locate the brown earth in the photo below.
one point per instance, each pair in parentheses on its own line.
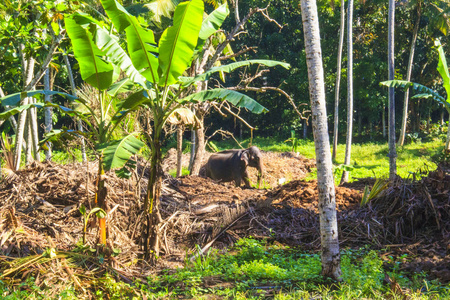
(40,209)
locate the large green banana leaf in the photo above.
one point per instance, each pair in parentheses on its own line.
(212,23)
(116,54)
(231,67)
(142,47)
(94,69)
(14,99)
(236,98)
(443,69)
(117,153)
(11,112)
(417,87)
(178,42)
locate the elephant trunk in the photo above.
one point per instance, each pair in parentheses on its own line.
(260,173)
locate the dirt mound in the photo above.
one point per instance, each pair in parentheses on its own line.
(303,194)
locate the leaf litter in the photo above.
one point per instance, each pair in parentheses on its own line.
(40,218)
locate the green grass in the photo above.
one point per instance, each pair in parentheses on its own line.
(368,160)
(254,269)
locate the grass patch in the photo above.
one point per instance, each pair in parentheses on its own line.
(368,160)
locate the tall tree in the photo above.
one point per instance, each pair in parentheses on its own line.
(338,80)
(348,143)
(327,202)
(401,138)
(391,124)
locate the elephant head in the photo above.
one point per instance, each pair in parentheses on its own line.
(252,157)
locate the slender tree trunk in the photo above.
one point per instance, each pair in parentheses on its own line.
(391,64)
(338,81)
(327,204)
(193,143)
(383,120)
(28,134)
(48,114)
(199,144)
(22,120)
(401,138)
(74,92)
(179,149)
(348,143)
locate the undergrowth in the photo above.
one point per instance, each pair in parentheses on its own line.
(253,269)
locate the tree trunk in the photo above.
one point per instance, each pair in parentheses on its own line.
(48,115)
(327,204)
(392,150)
(22,120)
(179,149)
(199,143)
(74,92)
(401,138)
(348,142)
(338,81)
(383,120)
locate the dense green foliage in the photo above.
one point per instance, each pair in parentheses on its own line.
(254,270)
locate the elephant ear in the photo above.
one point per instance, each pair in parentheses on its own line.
(244,157)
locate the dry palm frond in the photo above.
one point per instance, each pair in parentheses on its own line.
(161,8)
(183,116)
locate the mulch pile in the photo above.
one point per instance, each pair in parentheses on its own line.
(43,201)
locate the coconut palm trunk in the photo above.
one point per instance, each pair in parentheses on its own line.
(392,151)
(338,81)
(327,204)
(401,139)
(348,143)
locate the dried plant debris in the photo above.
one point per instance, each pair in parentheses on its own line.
(40,211)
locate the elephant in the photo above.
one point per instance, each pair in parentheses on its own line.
(229,165)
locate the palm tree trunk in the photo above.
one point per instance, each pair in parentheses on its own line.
(327,203)
(401,139)
(48,114)
(348,143)
(392,151)
(338,81)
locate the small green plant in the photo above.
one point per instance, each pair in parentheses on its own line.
(184,172)
(100,213)
(379,186)
(294,140)
(414,137)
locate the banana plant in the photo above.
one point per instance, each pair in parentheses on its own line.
(426,92)
(156,68)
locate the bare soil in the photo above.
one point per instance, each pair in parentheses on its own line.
(43,201)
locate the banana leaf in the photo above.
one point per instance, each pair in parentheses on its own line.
(14,99)
(94,69)
(231,67)
(117,153)
(142,46)
(178,42)
(236,98)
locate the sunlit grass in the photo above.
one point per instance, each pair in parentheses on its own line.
(368,160)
